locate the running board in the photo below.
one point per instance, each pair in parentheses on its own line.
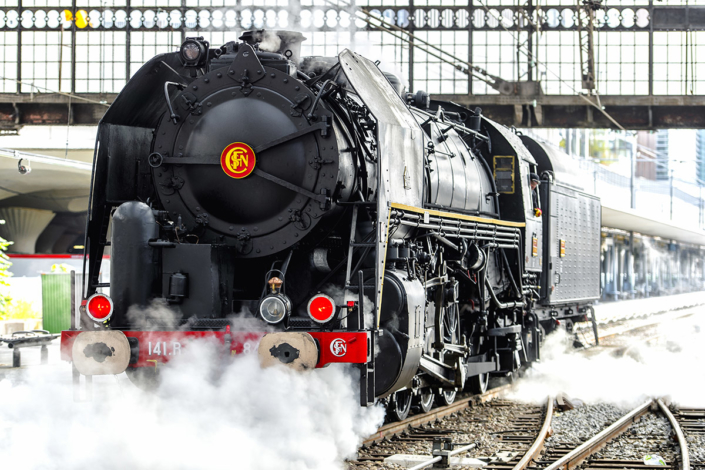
(437,369)
(476,365)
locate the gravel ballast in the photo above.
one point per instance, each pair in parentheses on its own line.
(648,436)
(576,426)
(483,423)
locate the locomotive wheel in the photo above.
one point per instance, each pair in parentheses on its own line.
(400,405)
(451,334)
(424,400)
(477,384)
(447,397)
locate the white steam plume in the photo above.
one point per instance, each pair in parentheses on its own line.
(673,368)
(202,416)
(156,316)
(338,295)
(270,42)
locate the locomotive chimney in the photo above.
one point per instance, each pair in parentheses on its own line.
(287,43)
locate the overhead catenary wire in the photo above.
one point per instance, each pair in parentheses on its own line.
(530,56)
(385,26)
(49,90)
(470,67)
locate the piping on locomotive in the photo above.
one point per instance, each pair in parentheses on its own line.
(358,223)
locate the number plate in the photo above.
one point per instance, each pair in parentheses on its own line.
(163,348)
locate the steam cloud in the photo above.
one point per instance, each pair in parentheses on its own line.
(338,296)
(203,415)
(156,316)
(270,42)
(673,368)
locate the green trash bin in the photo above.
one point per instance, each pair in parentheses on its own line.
(56,302)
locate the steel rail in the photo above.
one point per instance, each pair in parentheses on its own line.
(393,429)
(682,443)
(438,458)
(523,463)
(645,324)
(537,446)
(648,323)
(573,458)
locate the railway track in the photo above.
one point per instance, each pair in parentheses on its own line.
(564,457)
(692,422)
(394,429)
(522,461)
(514,447)
(522,444)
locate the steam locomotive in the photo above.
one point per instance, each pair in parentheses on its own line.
(311,211)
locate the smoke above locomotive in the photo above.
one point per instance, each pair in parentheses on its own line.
(306,194)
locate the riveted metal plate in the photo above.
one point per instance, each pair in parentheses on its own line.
(191,158)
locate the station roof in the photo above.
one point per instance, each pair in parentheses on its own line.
(631,220)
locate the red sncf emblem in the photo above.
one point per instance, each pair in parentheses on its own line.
(237,160)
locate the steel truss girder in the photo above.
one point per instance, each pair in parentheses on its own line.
(566,111)
(557,111)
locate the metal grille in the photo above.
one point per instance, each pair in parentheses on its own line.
(46,61)
(490,51)
(559,54)
(641,47)
(100,61)
(146,44)
(434,76)
(8,62)
(629,63)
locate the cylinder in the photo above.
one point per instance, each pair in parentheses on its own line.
(475,121)
(132,268)
(476,258)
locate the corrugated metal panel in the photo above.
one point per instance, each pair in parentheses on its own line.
(575,220)
(56,302)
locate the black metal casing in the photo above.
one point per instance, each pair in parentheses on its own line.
(419,223)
